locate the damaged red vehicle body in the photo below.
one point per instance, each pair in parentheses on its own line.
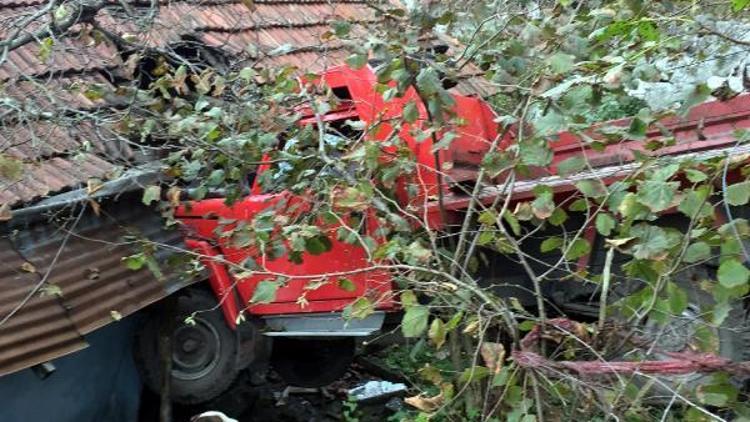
(315,324)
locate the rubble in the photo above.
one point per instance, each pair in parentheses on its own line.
(376,390)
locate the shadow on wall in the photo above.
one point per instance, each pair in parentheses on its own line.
(99,383)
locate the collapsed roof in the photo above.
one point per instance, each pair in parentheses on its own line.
(61,278)
(55,134)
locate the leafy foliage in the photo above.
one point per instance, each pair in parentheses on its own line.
(553,67)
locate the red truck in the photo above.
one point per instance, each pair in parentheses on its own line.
(312,342)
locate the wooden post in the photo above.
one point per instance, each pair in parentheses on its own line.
(166,329)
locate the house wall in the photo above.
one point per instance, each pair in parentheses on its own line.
(99,383)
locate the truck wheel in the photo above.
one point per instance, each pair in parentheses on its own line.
(312,363)
(204,354)
(732,337)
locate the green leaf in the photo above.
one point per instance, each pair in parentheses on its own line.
(527,325)
(697,95)
(543,206)
(360,309)
(579,248)
(699,251)
(738,5)
(677,298)
(495,162)
(605,223)
(475,373)
(341,27)
(657,195)
(265,292)
(216,178)
(592,188)
(551,243)
(346,285)
(411,113)
(535,152)
(247,74)
(696,176)
(558,217)
(151,194)
(694,203)
(561,63)
(719,394)
(408,298)
(356,60)
(437,332)
(317,245)
(733,273)
(571,165)
(653,242)
(428,81)
(648,31)
(454,321)
(414,322)
(512,221)
(135,262)
(630,207)
(579,205)
(637,129)
(738,194)
(666,172)
(45,48)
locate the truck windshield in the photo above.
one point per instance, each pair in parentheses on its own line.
(293,155)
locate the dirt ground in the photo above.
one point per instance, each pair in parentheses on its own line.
(247,402)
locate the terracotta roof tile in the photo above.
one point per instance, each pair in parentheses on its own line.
(290,29)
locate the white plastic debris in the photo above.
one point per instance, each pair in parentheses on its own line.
(212,416)
(372,390)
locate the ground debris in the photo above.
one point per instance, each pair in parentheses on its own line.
(376,390)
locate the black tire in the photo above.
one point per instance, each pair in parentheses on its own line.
(732,336)
(205,354)
(312,362)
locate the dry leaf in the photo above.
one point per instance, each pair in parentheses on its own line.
(92,273)
(50,290)
(28,267)
(493,355)
(95,207)
(173,196)
(115,315)
(5,213)
(471,328)
(425,404)
(93,185)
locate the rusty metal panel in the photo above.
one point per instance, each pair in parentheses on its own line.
(36,332)
(87,286)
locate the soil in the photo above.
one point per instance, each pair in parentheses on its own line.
(249,401)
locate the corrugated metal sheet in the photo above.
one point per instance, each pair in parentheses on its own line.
(88,286)
(40,330)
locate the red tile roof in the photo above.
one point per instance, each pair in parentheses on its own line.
(42,84)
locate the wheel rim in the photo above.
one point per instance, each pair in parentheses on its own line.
(195,351)
(679,334)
